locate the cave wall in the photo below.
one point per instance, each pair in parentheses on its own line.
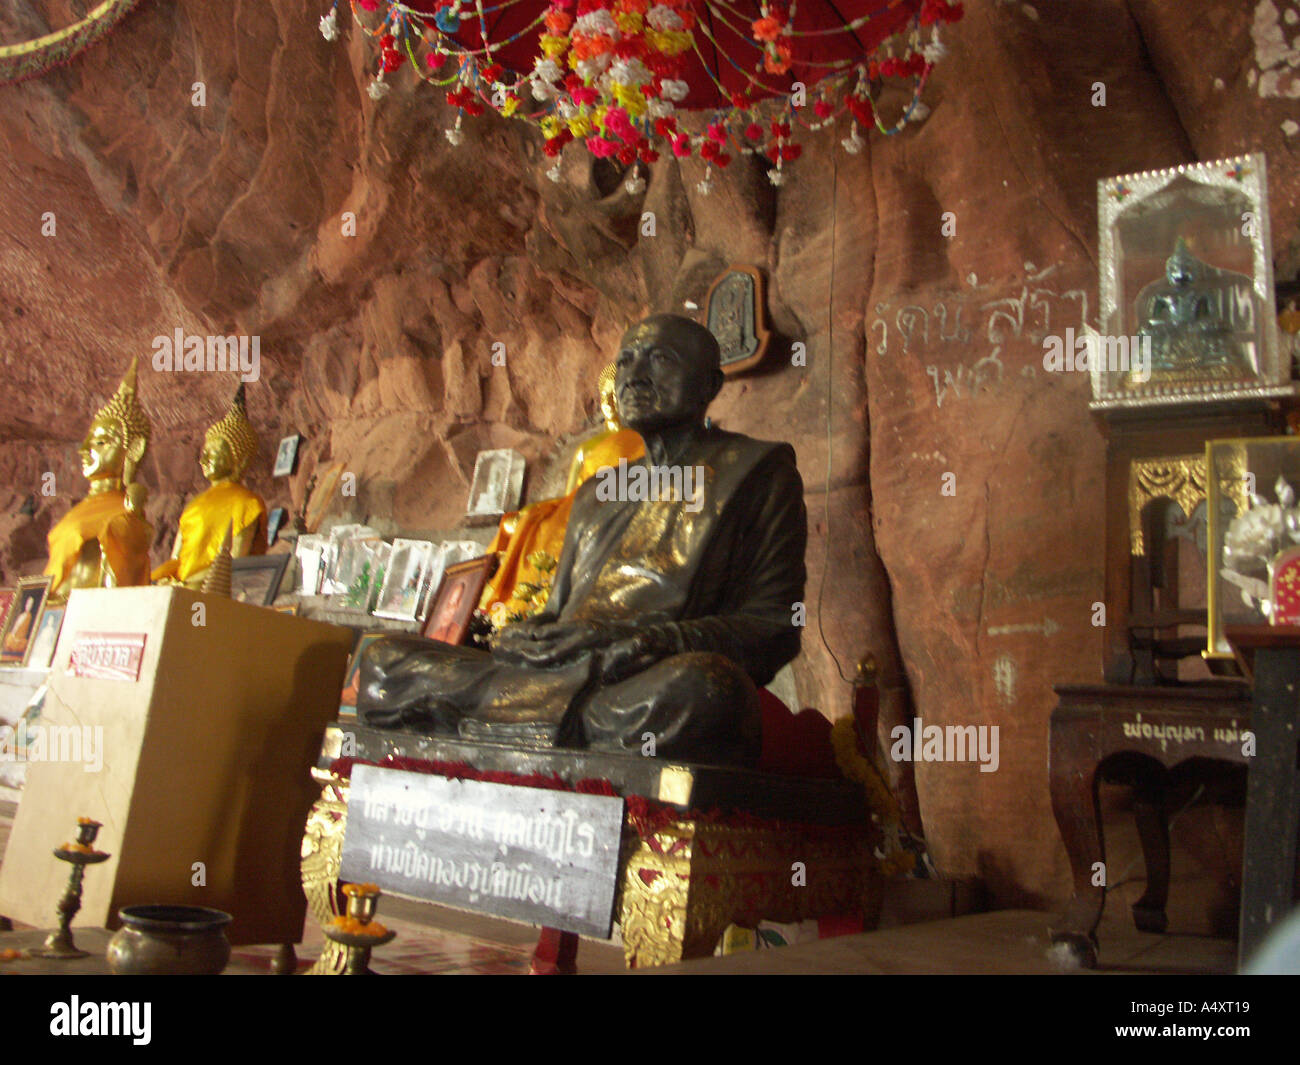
(379,266)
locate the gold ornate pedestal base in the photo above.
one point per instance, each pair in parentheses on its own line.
(680,887)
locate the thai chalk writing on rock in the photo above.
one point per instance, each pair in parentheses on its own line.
(986,327)
(549,857)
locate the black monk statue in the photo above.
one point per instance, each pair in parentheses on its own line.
(675,592)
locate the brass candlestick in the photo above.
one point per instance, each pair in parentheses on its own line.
(354,932)
(59,943)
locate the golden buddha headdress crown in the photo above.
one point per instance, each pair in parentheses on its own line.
(238,433)
(124,411)
(605,382)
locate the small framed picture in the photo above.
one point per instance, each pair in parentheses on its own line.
(20,626)
(408,568)
(453,606)
(274,523)
(287,608)
(46,638)
(286,456)
(256,578)
(444,555)
(352,682)
(498,483)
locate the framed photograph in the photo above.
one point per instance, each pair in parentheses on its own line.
(497,485)
(286,455)
(256,578)
(311,551)
(458,594)
(352,680)
(46,638)
(287,608)
(736,315)
(322,495)
(404,579)
(358,570)
(20,626)
(274,523)
(444,555)
(1187,298)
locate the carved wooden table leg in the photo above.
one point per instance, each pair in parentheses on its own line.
(1078,816)
(1153,829)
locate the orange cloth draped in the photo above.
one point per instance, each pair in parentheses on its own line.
(540,526)
(124,538)
(203,526)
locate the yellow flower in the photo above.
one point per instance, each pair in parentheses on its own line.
(553,46)
(511,106)
(550,127)
(670,42)
(628,22)
(580,125)
(632,98)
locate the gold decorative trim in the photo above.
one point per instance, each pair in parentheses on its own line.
(1179,478)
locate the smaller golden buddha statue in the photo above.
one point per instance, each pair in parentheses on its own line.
(104,540)
(528,541)
(225,508)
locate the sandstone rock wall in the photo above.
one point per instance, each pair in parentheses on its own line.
(379,266)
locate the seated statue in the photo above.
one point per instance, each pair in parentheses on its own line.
(104,540)
(528,542)
(667,608)
(226,506)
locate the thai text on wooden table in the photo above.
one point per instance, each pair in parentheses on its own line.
(546,857)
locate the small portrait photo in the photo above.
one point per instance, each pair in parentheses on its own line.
(256,578)
(352,680)
(20,627)
(286,456)
(274,523)
(458,595)
(408,568)
(47,638)
(498,481)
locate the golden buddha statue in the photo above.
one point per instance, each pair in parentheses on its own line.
(104,540)
(227,507)
(528,541)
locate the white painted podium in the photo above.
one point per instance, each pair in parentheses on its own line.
(207,716)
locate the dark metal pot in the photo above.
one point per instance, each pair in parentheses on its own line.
(169,941)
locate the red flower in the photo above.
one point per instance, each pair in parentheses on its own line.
(753,131)
(491,73)
(780,129)
(773,153)
(473,107)
(740,101)
(681,146)
(626,155)
(791,152)
(666,127)
(723,159)
(434,60)
(584,94)
(822,108)
(648,154)
(709,150)
(717,132)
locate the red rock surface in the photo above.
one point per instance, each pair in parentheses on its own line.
(924,350)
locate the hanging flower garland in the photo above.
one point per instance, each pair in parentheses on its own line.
(612,73)
(31,59)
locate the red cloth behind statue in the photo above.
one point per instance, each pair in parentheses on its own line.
(795,744)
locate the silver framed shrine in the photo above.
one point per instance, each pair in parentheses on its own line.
(1186,287)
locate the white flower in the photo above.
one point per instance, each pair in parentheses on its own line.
(920,112)
(378,88)
(630,72)
(674,90)
(657,108)
(853,143)
(705,186)
(554,172)
(566,107)
(329,26)
(597,22)
(548,70)
(776,177)
(635,185)
(936,49)
(661,17)
(454,136)
(544,90)
(591,69)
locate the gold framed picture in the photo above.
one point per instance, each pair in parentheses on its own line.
(20,626)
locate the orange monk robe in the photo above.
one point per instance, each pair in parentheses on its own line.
(203,526)
(124,539)
(540,526)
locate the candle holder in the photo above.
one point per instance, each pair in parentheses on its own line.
(355,932)
(59,943)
